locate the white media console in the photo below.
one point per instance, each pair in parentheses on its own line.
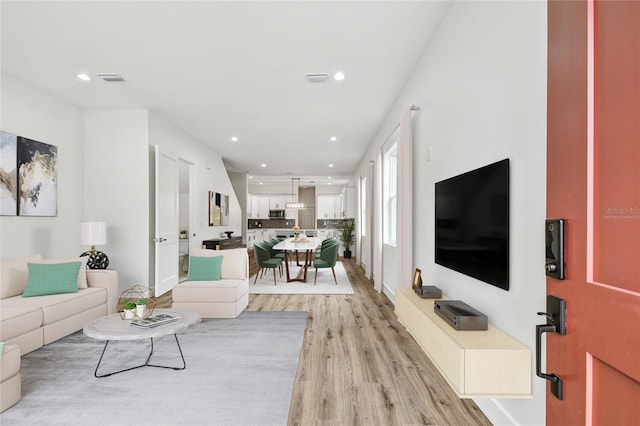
(477,364)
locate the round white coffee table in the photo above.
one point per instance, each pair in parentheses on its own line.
(112,327)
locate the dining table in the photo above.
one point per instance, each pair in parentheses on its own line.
(290,245)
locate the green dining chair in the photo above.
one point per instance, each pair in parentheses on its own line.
(327,259)
(265,261)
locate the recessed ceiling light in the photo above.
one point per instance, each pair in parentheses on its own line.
(338,76)
(333,138)
(234,139)
(263,165)
(250,177)
(83,77)
(260,183)
(330,165)
(329,183)
(329,177)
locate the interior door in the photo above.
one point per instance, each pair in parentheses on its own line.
(166,222)
(593,182)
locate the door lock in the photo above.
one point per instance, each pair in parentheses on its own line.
(554,248)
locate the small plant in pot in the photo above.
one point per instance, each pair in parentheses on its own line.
(346,237)
(129,309)
(141,305)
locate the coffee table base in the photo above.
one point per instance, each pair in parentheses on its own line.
(146,364)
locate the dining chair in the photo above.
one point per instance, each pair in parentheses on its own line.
(265,261)
(278,254)
(327,259)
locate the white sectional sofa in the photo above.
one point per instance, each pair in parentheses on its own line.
(31,322)
(10,379)
(226,298)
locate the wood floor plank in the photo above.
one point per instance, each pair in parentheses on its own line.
(359,366)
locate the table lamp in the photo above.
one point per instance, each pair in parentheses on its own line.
(94,234)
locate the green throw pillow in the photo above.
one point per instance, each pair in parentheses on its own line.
(204,268)
(52,279)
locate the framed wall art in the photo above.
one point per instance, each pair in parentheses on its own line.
(8,174)
(218,209)
(37,178)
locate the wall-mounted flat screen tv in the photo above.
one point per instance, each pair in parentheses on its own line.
(472,223)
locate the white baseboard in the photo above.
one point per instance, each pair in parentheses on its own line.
(494,412)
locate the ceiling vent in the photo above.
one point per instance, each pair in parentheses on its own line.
(110,77)
(317,78)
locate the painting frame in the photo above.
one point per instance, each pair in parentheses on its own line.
(8,174)
(37,164)
(218,209)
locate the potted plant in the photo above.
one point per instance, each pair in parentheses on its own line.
(129,309)
(183,234)
(141,305)
(346,237)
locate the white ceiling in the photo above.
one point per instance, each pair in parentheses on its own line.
(218,69)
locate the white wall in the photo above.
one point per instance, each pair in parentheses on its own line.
(117,187)
(210,175)
(481,86)
(103,174)
(27,111)
(240,184)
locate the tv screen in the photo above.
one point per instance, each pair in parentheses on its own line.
(472,223)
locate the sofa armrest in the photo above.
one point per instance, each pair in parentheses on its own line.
(107,279)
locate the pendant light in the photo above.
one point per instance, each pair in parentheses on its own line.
(294,205)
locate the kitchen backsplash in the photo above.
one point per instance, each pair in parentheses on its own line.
(333,223)
(289,223)
(270,223)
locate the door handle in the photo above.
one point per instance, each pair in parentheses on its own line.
(556,323)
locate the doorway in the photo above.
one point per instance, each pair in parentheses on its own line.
(184,209)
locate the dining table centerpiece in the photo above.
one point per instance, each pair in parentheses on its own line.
(296,233)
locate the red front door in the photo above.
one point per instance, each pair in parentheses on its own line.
(593,182)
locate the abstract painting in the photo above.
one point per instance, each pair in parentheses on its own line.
(218,209)
(37,178)
(8,174)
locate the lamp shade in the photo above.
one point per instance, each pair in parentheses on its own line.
(93,233)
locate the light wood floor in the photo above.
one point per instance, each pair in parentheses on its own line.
(358,365)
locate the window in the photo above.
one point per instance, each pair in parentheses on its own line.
(363,206)
(390,194)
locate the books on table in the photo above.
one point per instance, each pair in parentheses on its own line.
(154,321)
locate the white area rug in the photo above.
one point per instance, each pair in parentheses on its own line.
(240,372)
(325,284)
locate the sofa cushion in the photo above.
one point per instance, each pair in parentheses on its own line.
(204,268)
(14,274)
(18,320)
(56,278)
(82,273)
(56,307)
(234,263)
(210,291)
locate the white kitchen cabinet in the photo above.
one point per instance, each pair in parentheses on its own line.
(257,207)
(260,207)
(277,202)
(348,202)
(329,207)
(249,205)
(251,237)
(337,207)
(259,236)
